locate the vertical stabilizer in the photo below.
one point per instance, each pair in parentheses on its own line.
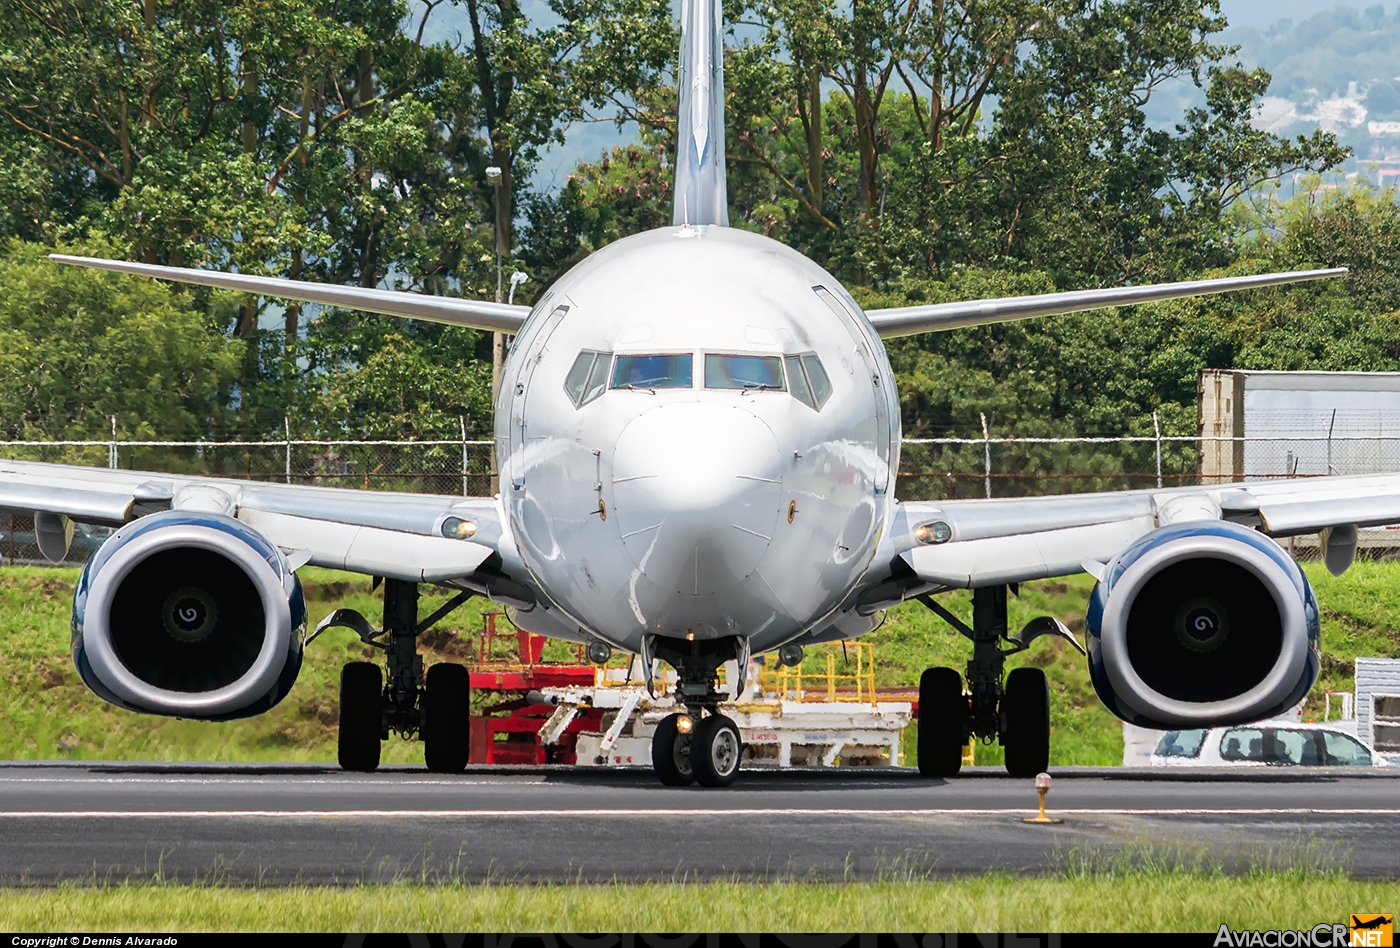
(700,190)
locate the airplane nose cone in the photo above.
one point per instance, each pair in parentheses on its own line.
(696,493)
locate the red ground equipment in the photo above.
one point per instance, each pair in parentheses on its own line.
(506,730)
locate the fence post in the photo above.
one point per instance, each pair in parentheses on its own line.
(1157,428)
(1330,469)
(463,420)
(987,450)
(112,447)
(287,427)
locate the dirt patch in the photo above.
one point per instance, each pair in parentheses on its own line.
(50,589)
(327,592)
(51,677)
(448,643)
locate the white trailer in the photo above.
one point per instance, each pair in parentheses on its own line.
(1263,425)
(788,728)
(1378,705)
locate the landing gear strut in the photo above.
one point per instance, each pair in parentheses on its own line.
(1017,714)
(688,748)
(433,707)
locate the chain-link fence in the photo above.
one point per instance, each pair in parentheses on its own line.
(956,468)
(464,467)
(431,467)
(930,468)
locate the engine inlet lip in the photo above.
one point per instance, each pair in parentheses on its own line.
(1138,695)
(257,681)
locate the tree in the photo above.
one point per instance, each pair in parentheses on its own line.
(79,346)
(893,137)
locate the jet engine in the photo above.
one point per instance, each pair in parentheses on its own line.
(1202,624)
(189,615)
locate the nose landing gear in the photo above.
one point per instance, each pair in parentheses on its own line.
(688,748)
(707,752)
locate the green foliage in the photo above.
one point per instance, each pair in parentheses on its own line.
(335,145)
(370,377)
(891,140)
(1106,372)
(79,346)
(919,152)
(627,192)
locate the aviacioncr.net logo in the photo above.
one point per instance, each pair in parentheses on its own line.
(1322,935)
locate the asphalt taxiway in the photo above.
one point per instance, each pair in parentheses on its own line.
(314,824)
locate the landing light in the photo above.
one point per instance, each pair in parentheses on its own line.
(685,724)
(455,528)
(936,532)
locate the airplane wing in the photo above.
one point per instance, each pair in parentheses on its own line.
(908,320)
(969,543)
(496,317)
(412,537)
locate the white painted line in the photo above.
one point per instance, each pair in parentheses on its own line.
(676,812)
(232,784)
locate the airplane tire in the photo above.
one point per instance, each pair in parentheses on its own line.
(1027,721)
(942,720)
(670,753)
(715,751)
(361,697)
(447,718)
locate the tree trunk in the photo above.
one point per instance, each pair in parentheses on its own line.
(816,170)
(869,158)
(249,92)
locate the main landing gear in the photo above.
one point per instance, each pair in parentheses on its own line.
(1017,713)
(434,706)
(688,747)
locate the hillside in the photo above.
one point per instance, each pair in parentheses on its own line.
(1335,69)
(47,713)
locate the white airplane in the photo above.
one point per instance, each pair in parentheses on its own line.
(697,437)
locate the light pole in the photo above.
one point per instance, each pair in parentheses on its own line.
(516,278)
(498,340)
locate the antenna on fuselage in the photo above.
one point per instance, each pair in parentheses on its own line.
(700,125)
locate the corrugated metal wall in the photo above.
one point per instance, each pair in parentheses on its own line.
(1378,676)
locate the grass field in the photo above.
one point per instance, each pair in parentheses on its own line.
(1132,901)
(47,713)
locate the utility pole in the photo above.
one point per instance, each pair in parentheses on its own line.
(498,339)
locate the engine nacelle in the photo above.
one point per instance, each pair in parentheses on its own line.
(1202,624)
(189,615)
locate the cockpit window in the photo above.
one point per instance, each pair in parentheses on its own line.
(598,378)
(797,381)
(816,375)
(808,380)
(653,371)
(587,377)
(744,371)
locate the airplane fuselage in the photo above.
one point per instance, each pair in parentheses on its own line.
(697,434)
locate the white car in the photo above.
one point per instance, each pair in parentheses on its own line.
(1278,744)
